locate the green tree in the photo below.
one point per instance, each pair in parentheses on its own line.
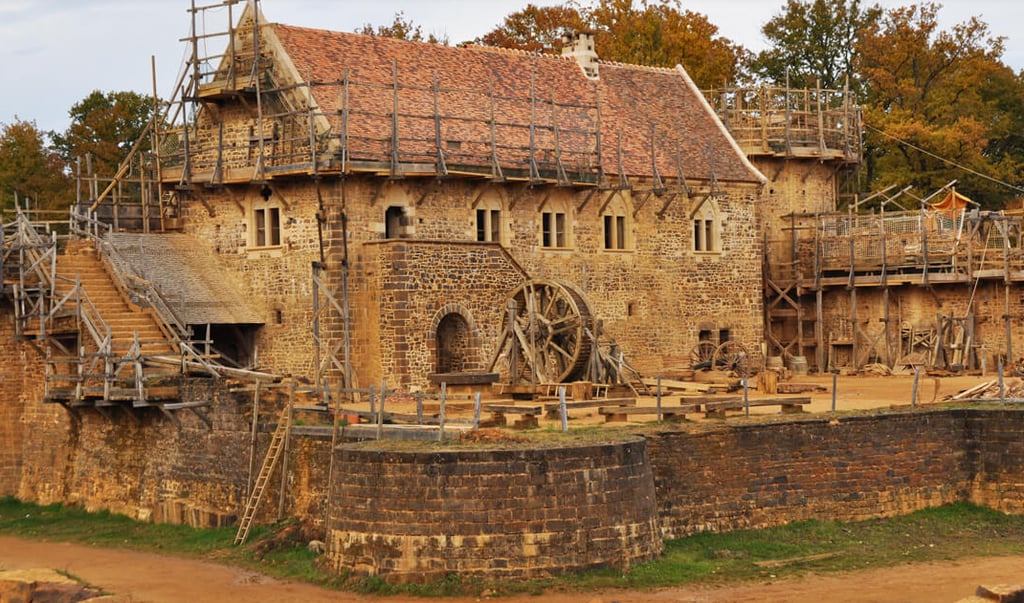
(104,126)
(401,29)
(813,42)
(940,105)
(28,169)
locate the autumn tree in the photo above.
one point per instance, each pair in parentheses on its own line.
(813,42)
(940,105)
(535,28)
(28,169)
(657,33)
(401,29)
(104,126)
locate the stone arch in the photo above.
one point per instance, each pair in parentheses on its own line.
(454,345)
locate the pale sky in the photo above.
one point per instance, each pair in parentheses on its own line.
(55,52)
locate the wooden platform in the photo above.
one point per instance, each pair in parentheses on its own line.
(787,405)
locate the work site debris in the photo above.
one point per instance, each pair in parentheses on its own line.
(989,390)
(878,369)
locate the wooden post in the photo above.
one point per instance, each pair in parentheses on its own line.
(561,408)
(1002,388)
(659,397)
(440,418)
(913,396)
(380,409)
(287,445)
(252,439)
(835,380)
(476,410)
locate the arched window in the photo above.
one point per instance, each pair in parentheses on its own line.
(707,227)
(617,226)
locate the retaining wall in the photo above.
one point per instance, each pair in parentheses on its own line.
(497,513)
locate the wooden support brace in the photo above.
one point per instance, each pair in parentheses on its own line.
(202,417)
(668,201)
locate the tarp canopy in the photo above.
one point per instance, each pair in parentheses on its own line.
(952,201)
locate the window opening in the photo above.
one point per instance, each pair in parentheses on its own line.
(553,224)
(614,232)
(488,225)
(394,218)
(268,226)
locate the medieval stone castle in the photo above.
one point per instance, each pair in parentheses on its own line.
(345,210)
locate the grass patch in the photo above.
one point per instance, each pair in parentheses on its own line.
(944,533)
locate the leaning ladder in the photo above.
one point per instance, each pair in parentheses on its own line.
(269,463)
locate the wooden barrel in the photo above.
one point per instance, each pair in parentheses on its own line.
(798,364)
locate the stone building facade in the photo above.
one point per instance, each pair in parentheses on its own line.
(442,178)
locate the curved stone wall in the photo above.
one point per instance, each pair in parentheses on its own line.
(494,513)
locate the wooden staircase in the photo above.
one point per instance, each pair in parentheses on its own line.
(126,320)
(113,372)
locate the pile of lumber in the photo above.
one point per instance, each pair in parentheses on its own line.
(989,390)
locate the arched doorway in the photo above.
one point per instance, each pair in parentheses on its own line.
(453,344)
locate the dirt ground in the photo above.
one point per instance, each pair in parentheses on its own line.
(143,577)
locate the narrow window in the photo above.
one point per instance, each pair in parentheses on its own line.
(554,229)
(706,228)
(488,225)
(614,232)
(273,226)
(495,226)
(481,225)
(261,227)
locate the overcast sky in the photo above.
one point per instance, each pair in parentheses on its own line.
(55,52)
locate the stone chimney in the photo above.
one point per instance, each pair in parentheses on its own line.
(580,46)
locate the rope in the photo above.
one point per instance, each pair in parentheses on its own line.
(944,160)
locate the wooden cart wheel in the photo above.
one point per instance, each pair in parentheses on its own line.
(550,323)
(701,355)
(732,356)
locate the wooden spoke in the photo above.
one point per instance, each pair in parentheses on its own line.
(701,355)
(732,356)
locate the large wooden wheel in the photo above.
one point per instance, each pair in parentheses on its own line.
(545,329)
(732,356)
(702,354)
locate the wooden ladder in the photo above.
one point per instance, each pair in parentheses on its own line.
(269,463)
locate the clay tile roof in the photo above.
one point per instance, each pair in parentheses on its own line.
(536,101)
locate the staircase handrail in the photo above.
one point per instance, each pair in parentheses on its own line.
(88,314)
(143,289)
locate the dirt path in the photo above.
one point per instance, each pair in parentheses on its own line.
(151,578)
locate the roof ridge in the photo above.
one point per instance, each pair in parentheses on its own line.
(636,66)
(513,51)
